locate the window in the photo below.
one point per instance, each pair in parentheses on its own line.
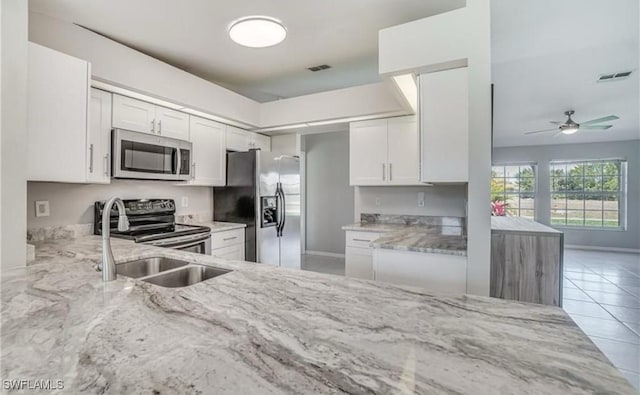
(587,193)
(515,184)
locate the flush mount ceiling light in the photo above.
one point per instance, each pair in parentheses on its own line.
(257,31)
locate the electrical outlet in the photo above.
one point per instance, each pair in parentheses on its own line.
(420,199)
(378,201)
(185,201)
(42,208)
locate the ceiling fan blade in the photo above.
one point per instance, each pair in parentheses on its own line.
(603,119)
(542,131)
(557,122)
(596,127)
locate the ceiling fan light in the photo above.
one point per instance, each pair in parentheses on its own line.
(257,31)
(571,129)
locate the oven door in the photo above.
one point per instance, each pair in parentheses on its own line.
(200,243)
(147,156)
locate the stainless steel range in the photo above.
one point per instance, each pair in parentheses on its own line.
(152,221)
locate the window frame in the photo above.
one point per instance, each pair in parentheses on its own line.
(622,195)
(534,193)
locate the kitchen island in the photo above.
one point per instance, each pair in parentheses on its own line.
(261,329)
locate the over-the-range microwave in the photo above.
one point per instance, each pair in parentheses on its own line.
(150,157)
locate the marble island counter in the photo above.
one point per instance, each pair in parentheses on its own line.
(261,329)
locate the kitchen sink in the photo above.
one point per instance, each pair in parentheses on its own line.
(148,266)
(186,276)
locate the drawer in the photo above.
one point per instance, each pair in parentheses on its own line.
(361,239)
(227,238)
(235,252)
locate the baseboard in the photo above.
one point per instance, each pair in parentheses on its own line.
(322,253)
(604,249)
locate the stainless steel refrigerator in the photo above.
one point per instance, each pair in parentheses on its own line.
(263,192)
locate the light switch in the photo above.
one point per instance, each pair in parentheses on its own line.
(420,199)
(42,208)
(185,201)
(378,201)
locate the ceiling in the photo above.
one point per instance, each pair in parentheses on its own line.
(193,36)
(547,55)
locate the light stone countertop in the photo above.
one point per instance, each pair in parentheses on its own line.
(519,224)
(436,239)
(217,226)
(262,329)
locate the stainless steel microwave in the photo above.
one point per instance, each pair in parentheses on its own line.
(150,157)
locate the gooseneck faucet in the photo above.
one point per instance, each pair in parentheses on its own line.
(108,262)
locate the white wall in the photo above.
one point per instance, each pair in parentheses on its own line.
(440,200)
(117,64)
(329,198)
(285,143)
(543,154)
(13,129)
(73,203)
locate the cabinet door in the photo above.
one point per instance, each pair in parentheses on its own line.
(260,141)
(234,253)
(433,272)
(368,153)
(209,152)
(99,137)
(359,263)
(237,139)
(132,114)
(444,126)
(172,123)
(58,100)
(403,151)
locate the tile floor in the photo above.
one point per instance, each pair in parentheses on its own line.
(601,294)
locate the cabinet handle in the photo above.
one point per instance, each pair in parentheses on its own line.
(384,173)
(160,127)
(230,238)
(153,125)
(193,171)
(390,172)
(91,158)
(363,240)
(106,165)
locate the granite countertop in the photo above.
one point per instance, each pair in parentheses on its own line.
(221,226)
(417,238)
(519,224)
(262,329)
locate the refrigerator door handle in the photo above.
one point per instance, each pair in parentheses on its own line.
(279,208)
(283,221)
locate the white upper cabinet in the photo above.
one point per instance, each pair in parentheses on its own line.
(260,141)
(243,140)
(209,152)
(403,151)
(237,139)
(99,138)
(384,152)
(368,152)
(58,99)
(140,116)
(172,123)
(444,126)
(133,114)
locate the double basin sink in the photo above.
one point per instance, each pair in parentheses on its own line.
(167,272)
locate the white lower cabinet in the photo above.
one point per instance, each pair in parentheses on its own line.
(228,244)
(359,254)
(433,272)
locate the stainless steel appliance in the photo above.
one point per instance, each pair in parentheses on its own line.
(263,192)
(152,221)
(151,157)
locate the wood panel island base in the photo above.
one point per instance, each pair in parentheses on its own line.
(526,261)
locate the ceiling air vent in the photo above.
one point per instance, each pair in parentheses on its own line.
(614,76)
(319,68)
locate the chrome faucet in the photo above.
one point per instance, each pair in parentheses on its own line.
(108,262)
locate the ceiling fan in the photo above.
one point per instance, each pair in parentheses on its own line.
(570,126)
